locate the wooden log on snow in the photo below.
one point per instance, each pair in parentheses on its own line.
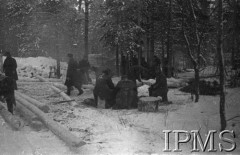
(42,79)
(12,120)
(40,105)
(30,117)
(59,131)
(148,104)
(61,86)
(65,96)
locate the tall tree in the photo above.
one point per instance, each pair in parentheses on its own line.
(221,65)
(87,2)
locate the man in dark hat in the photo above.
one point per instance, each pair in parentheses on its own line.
(10,68)
(105,89)
(74,76)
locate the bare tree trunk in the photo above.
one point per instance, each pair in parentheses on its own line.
(139,42)
(151,49)
(58,62)
(1,62)
(221,65)
(148,41)
(57,52)
(169,42)
(79,36)
(86,29)
(163,55)
(117,59)
(196,85)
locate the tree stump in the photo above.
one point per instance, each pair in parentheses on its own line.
(148,104)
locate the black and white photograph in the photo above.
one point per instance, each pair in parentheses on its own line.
(119,77)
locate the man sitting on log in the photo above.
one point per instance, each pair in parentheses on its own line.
(74,76)
(104,89)
(159,88)
(7,87)
(126,97)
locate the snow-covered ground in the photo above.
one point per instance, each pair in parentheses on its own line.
(108,131)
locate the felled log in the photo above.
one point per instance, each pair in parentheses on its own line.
(12,120)
(148,104)
(42,79)
(30,117)
(65,96)
(40,105)
(59,131)
(61,86)
(62,101)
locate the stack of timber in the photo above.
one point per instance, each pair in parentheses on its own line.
(59,131)
(38,104)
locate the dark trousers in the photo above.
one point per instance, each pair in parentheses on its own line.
(10,99)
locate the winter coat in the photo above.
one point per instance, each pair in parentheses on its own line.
(74,75)
(126,97)
(159,88)
(104,88)
(10,68)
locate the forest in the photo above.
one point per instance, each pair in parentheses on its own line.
(185,35)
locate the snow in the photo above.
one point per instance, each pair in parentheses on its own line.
(37,66)
(143,90)
(108,131)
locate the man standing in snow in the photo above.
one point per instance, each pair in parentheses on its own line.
(10,68)
(74,76)
(7,91)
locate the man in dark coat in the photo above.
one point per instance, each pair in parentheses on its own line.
(10,68)
(7,91)
(159,88)
(126,94)
(74,76)
(105,89)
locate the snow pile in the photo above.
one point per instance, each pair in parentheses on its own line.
(143,90)
(175,83)
(32,66)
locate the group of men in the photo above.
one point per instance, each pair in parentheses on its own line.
(125,95)
(121,96)
(8,81)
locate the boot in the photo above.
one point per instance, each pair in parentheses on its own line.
(80,91)
(68,91)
